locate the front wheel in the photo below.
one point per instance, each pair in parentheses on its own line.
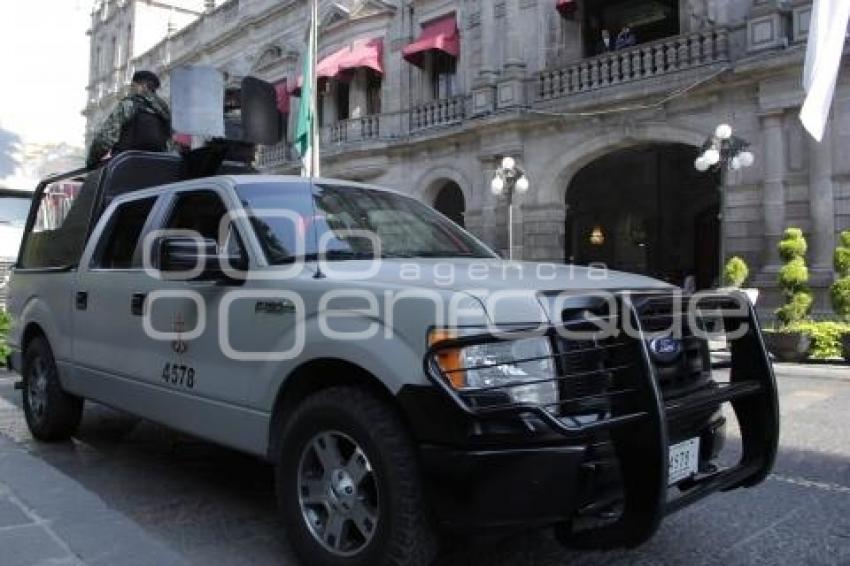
(51,413)
(349,485)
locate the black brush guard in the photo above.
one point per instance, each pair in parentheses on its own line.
(638,415)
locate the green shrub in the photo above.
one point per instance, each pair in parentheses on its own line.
(5,323)
(842,262)
(840,295)
(793,279)
(840,290)
(793,244)
(736,271)
(825,335)
(795,309)
(794,274)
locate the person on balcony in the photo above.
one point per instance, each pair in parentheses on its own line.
(626,38)
(140,121)
(605,44)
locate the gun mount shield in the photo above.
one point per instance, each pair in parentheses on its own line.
(260,115)
(197,99)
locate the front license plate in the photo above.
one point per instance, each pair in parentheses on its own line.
(684,460)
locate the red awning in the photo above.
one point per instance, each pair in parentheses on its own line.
(363,53)
(282,93)
(182,139)
(566,7)
(441,35)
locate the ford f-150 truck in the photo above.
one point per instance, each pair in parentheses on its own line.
(405,381)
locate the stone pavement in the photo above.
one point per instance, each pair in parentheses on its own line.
(47,518)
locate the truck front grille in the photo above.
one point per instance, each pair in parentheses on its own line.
(665,316)
(605,362)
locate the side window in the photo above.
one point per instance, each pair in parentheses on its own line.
(200,212)
(122,235)
(59,233)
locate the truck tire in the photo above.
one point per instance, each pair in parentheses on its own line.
(51,413)
(349,484)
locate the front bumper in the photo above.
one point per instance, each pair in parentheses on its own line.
(501,486)
(473,490)
(508,487)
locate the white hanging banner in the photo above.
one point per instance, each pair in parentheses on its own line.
(827,33)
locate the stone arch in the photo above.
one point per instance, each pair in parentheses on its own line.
(429,184)
(560,169)
(450,202)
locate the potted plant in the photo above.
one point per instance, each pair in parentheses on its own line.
(735,273)
(788,343)
(840,290)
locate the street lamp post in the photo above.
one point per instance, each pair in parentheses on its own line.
(723,152)
(507,179)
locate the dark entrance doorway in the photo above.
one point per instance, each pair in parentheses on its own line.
(450,202)
(646,210)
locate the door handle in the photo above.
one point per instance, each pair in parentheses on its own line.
(82,300)
(137,304)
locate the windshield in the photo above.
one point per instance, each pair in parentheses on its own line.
(351,223)
(14,210)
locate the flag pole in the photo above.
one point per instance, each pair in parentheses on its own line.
(315,169)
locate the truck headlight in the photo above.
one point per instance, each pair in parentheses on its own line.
(501,368)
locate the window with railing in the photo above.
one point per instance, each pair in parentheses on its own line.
(342,99)
(443,75)
(373,92)
(611,25)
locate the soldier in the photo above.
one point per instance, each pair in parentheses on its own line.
(141,121)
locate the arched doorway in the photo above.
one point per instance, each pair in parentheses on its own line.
(450,202)
(646,210)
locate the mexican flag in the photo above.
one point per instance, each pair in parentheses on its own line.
(306,138)
(827,33)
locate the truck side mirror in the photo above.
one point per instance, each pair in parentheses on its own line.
(192,259)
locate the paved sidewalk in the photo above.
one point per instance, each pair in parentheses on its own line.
(47,518)
(816,369)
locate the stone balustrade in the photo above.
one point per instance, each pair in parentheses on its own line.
(662,57)
(370,127)
(335,133)
(440,112)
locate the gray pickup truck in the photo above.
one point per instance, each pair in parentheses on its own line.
(405,381)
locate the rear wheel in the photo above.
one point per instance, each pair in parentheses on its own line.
(51,413)
(349,485)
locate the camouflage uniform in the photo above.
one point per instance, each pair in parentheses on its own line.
(110,132)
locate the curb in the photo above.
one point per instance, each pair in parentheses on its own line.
(65,516)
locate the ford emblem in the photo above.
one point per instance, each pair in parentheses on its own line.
(665,349)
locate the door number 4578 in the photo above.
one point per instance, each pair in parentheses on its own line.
(180,375)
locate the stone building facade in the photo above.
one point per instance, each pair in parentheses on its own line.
(607,136)
(120,31)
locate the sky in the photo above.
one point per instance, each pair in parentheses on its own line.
(44,54)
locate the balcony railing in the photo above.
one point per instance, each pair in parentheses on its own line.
(353,130)
(435,113)
(661,57)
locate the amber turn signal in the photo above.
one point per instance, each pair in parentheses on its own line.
(449,359)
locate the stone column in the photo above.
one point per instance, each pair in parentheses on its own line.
(821,203)
(514,58)
(489,49)
(773,192)
(483,88)
(543,231)
(510,91)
